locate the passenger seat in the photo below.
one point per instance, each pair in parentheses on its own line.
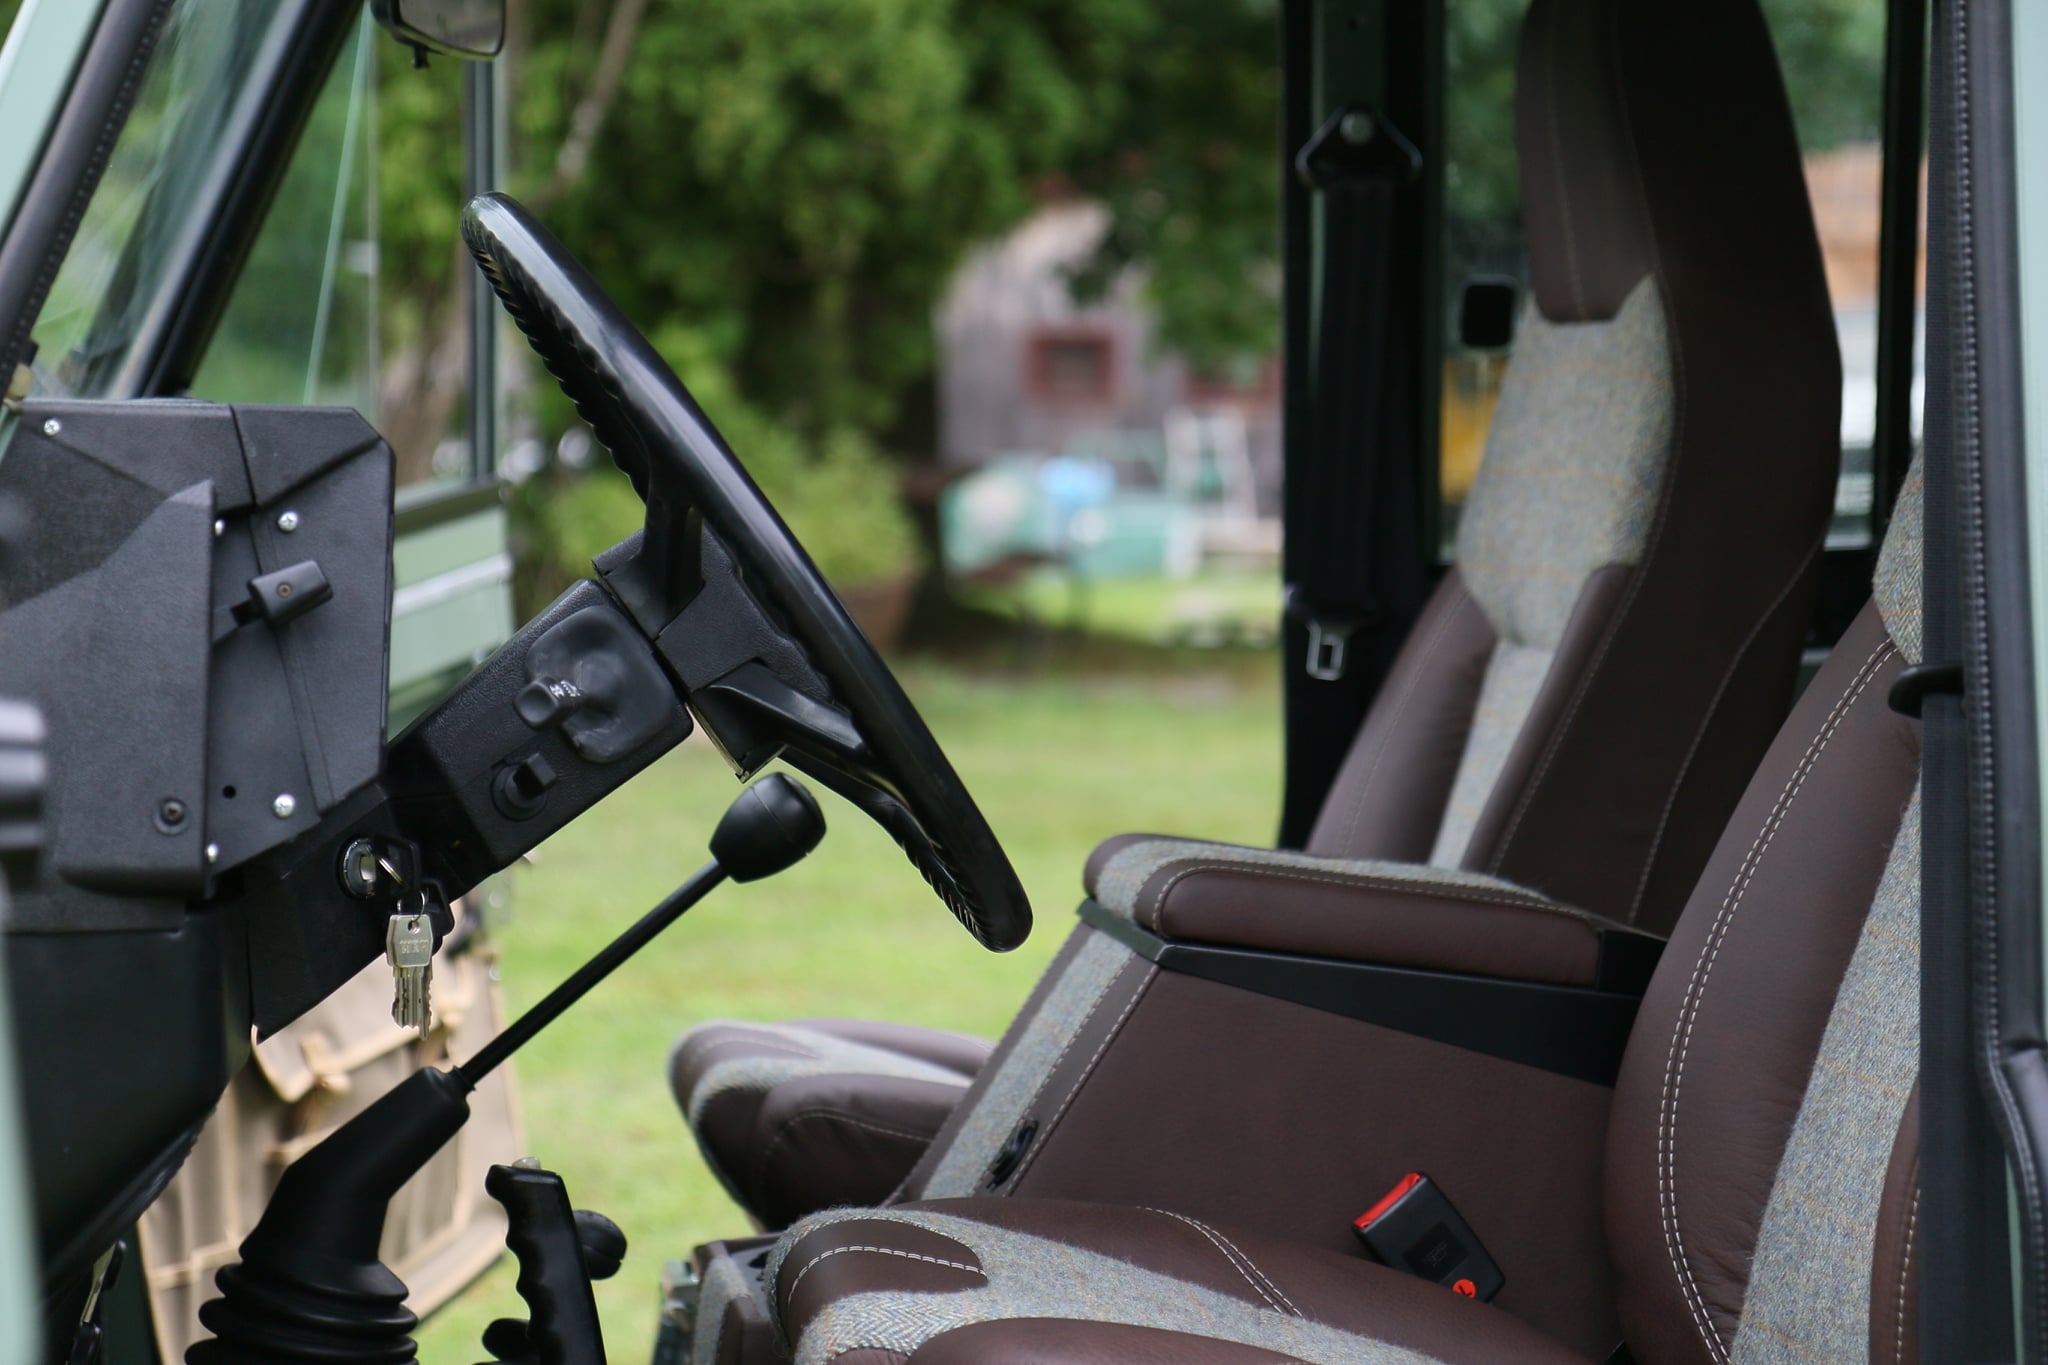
(1761,1181)
(1585,693)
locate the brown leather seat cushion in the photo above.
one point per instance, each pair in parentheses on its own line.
(827,1129)
(1158,1286)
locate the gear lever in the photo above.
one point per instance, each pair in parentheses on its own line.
(310,1286)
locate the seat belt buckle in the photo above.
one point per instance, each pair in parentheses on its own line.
(1413,1228)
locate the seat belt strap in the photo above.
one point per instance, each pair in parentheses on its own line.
(1356,163)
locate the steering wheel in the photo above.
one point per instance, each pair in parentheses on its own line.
(763,651)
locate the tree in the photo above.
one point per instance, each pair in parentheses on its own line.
(795,181)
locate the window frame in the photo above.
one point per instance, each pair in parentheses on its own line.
(200,281)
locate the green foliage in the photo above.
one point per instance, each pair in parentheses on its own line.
(419,194)
(1185,161)
(844,508)
(796,180)
(779,193)
(1482,184)
(1832,52)
(840,501)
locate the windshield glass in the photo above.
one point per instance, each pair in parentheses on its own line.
(199,89)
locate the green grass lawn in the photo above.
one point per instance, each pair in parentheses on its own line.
(1058,761)
(1218,606)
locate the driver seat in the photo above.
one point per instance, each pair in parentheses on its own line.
(1584,695)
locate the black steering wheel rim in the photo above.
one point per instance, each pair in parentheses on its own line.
(680,464)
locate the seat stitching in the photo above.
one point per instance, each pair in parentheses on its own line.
(782,1134)
(1116,1026)
(1905,1265)
(1681,1042)
(1239,1262)
(1068,1046)
(1449,891)
(1253,1267)
(988,1067)
(1053,1068)
(1707,719)
(1681,1037)
(879,1251)
(1386,736)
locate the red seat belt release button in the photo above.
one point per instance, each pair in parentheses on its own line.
(1413,1228)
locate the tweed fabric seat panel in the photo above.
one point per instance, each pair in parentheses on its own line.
(1809,1296)
(723,1282)
(1896,587)
(767,1055)
(1036,1277)
(1041,1043)
(1514,675)
(1809,1292)
(1575,461)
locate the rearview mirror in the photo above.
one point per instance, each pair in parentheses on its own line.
(471,29)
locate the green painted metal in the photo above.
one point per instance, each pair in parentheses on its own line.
(434,550)
(2030,147)
(450,607)
(2030,134)
(17,1262)
(36,66)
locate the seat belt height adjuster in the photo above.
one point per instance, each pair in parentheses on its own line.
(1326,644)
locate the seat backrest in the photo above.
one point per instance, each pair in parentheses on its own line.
(1762,1154)
(1591,684)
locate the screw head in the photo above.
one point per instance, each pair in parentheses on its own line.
(285,804)
(1356,127)
(287,522)
(171,811)
(213,853)
(52,427)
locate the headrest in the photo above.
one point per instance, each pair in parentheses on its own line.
(1582,198)
(1643,131)
(1897,585)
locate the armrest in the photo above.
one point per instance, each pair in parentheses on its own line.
(1397,914)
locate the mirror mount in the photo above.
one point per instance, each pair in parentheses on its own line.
(473,30)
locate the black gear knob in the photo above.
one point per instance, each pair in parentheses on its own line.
(772,825)
(602,1244)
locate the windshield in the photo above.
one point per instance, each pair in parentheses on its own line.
(201,88)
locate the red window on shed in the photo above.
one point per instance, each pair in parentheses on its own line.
(1071,366)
